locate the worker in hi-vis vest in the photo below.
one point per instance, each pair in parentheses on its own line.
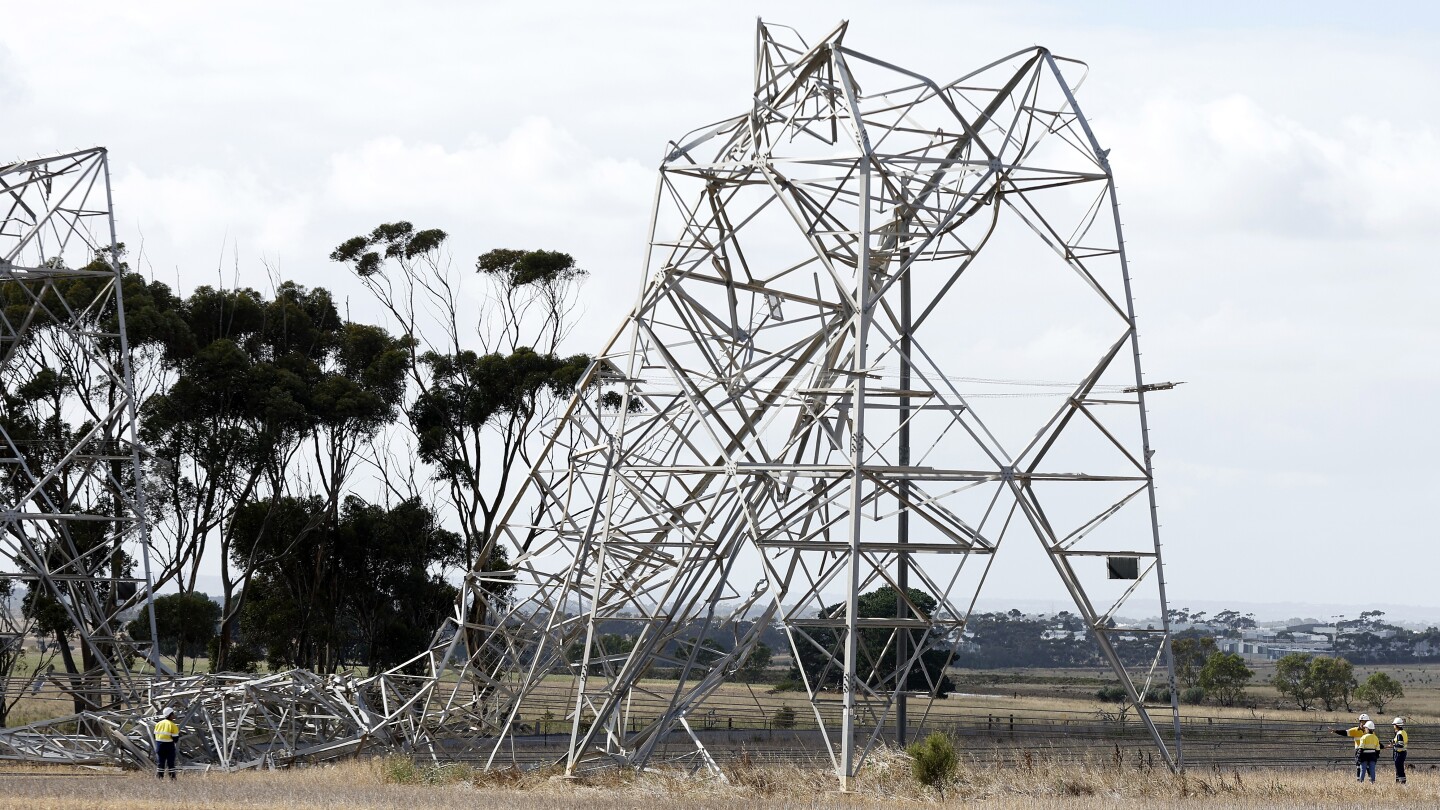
(1399,747)
(1369,745)
(166,732)
(1355,733)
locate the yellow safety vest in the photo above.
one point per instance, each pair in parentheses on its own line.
(1368,743)
(1402,739)
(1356,733)
(166,731)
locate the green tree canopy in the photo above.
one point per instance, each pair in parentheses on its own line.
(755,664)
(1292,679)
(1224,677)
(1378,690)
(185,622)
(1307,680)
(253,379)
(474,398)
(364,591)
(820,660)
(1331,681)
(1190,654)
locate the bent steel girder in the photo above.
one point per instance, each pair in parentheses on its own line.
(72,517)
(738,454)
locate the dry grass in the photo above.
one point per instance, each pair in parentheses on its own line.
(885,783)
(1074,689)
(1043,692)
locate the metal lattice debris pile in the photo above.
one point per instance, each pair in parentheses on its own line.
(233,722)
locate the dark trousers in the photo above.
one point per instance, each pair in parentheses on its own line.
(1400,766)
(164,758)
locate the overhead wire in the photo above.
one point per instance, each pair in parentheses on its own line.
(1061,387)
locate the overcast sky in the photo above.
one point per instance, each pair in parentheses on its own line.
(1277,163)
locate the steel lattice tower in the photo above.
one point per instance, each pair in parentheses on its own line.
(779,428)
(72,518)
(777,435)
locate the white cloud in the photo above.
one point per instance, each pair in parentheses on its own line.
(1230,162)
(199,210)
(537,187)
(538,175)
(12,85)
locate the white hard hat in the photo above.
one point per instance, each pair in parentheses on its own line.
(1399,721)
(1364,718)
(169,712)
(1369,725)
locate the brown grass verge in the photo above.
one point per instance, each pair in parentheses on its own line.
(886,782)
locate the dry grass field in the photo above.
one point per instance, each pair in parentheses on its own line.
(1032,691)
(994,777)
(886,783)
(1075,688)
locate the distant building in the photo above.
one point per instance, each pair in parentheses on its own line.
(1256,650)
(1203,628)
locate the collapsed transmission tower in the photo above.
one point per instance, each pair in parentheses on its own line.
(72,524)
(784,426)
(786,431)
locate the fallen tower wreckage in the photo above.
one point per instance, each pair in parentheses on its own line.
(232,722)
(739,456)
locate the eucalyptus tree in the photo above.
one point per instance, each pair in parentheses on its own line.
(272,398)
(365,590)
(184,622)
(485,371)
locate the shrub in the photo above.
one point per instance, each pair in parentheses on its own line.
(1193,695)
(398,770)
(1110,694)
(933,761)
(788,684)
(240,658)
(784,717)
